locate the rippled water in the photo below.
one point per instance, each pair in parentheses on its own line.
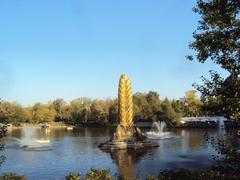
(77,151)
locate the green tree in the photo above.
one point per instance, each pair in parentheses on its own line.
(218,39)
(60,107)
(154,104)
(230,97)
(146,106)
(5,115)
(178,107)
(168,114)
(79,109)
(113,113)
(141,109)
(220,97)
(100,111)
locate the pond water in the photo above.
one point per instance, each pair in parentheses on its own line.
(57,152)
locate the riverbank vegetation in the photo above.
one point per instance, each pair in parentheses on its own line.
(2,134)
(12,176)
(147,106)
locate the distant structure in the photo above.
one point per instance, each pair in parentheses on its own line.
(127,135)
(202,122)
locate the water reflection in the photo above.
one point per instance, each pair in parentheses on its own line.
(194,139)
(126,161)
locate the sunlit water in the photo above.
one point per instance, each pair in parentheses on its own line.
(76,151)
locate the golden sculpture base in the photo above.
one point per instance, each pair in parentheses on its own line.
(127,138)
(128,134)
(111,146)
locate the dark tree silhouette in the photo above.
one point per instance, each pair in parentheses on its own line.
(217,38)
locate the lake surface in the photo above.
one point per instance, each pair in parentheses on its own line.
(61,151)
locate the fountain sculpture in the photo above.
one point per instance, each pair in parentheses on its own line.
(30,142)
(127,135)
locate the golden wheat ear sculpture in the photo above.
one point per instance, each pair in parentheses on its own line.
(127,135)
(125,102)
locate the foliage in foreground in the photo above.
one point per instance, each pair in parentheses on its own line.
(99,174)
(92,174)
(73,176)
(12,176)
(184,174)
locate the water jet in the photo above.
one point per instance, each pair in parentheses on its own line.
(158,131)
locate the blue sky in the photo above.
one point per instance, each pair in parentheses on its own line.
(75,48)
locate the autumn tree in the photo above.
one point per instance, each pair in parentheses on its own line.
(61,108)
(42,113)
(192,104)
(99,111)
(79,109)
(12,113)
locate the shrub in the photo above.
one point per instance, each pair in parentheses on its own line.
(12,176)
(184,174)
(73,176)
(99,174)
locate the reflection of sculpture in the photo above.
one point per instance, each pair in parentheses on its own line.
(127,135)
(126,161)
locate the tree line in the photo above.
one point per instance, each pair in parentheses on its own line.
(147,107)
